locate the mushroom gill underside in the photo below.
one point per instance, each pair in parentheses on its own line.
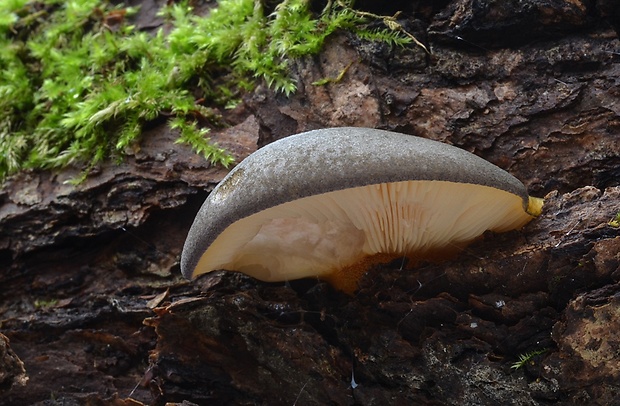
(329,234)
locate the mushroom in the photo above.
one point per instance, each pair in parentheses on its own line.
(328,203)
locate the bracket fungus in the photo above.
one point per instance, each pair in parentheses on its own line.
(327,203)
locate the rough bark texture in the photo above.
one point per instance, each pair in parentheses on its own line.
(93,304)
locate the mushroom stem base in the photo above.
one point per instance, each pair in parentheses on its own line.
(347,279)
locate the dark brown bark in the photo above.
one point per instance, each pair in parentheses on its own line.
(94,306)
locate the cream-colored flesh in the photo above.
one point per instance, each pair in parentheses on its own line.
(316,235)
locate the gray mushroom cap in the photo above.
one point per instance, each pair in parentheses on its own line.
(328,160)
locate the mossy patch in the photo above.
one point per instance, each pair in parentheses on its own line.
(78,81)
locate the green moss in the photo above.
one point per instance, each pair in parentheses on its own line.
(326,81)
(78,82)
(45,304)
(527,357)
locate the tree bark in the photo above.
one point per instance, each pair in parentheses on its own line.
(93,304)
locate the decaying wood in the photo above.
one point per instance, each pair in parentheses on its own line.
(93,304)
(442,332)
(12,371)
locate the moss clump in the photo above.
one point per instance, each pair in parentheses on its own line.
(526,358)
(78,82)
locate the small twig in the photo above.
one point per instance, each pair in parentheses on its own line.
(470,43)
(390,22)
(337,79)
(300,391)
(567,233)
(151,245)
(402,264)
(139,382)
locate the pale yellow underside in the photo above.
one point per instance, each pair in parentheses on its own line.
(317,235)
